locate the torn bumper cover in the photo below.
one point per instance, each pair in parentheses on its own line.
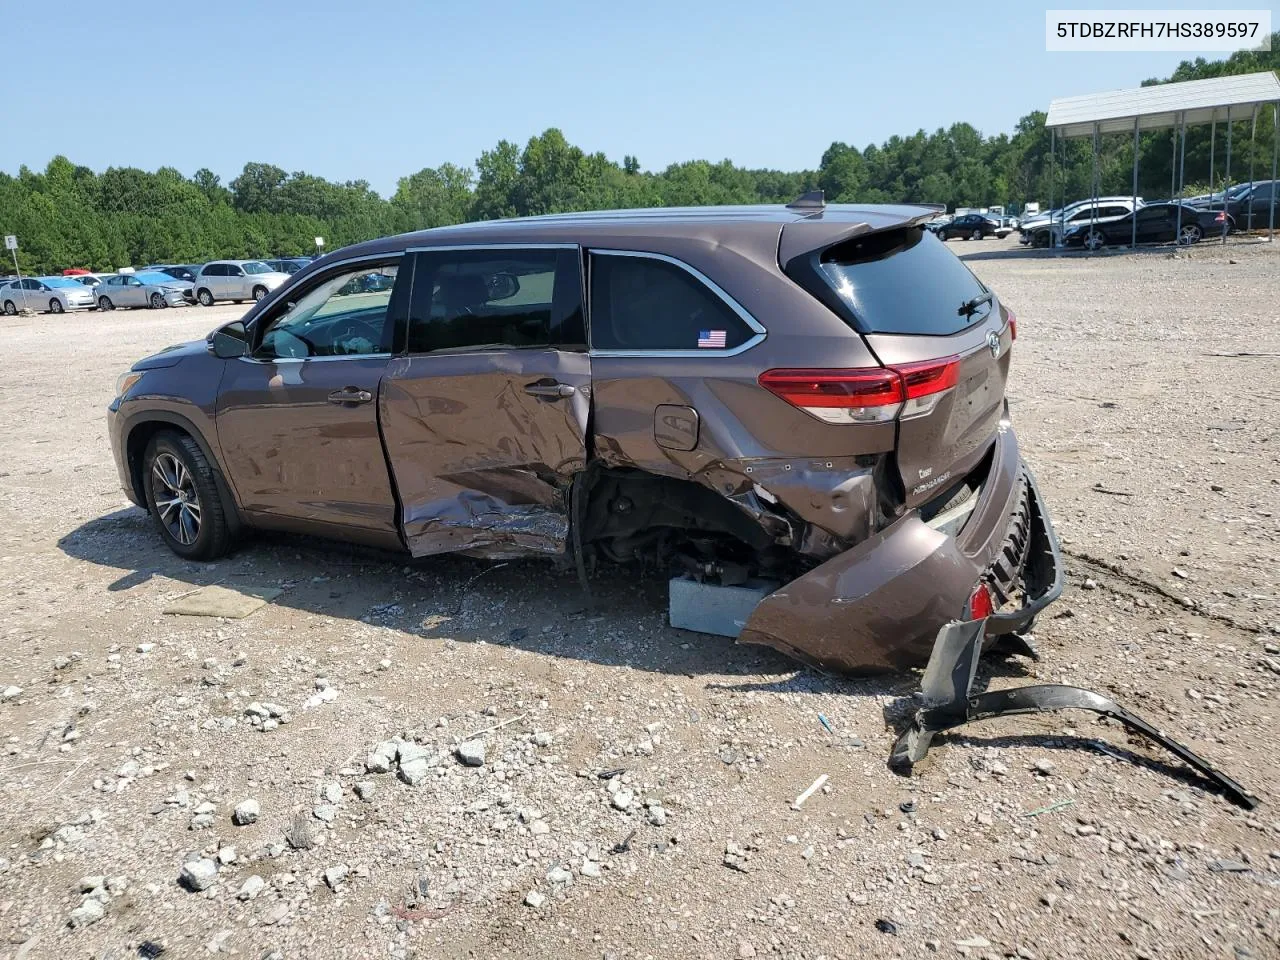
(948,704)
(878,607)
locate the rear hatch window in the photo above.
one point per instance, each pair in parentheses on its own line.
(903,281)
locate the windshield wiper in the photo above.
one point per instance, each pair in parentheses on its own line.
(970,307)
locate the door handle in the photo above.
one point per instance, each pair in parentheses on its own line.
(552,391)
(350,395)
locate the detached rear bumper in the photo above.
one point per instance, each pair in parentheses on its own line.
(879,606)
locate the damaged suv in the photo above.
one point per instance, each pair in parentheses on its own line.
(811,397)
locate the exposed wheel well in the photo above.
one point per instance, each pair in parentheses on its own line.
(633,515)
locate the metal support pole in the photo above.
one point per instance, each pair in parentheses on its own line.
(1253,148)
(1213,136)
(1093,207)
(1133,242)
(1275,149)
(14,251)
(1226,183)
(1053,172)
(1182,172)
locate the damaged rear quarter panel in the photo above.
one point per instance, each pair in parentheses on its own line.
(480,465)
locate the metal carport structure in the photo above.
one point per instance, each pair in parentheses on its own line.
(1164,106)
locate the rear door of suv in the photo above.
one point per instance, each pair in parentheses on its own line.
(484,416)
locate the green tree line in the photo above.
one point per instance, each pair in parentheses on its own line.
(68,215)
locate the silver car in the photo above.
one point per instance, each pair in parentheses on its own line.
(144,289)
(236,280)
(51,294)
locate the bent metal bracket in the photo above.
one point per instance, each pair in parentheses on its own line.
(948,703)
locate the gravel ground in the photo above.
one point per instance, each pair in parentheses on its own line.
(181,786)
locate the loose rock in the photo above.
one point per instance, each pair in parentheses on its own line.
(198,875)
(246,812)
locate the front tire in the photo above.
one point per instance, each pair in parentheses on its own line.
(976,235)
(104,304)
(1094,241)
(205,297)
(182,497)
(259,293)
(158,302)
(10,308)
(55,305)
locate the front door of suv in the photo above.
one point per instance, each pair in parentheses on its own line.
(297,418)
(485,415)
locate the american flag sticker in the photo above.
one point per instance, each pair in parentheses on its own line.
(713,339)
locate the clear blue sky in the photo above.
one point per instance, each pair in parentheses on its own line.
(378,89)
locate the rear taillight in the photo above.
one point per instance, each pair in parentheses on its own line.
(1013,324)
(980,603)
(873,395)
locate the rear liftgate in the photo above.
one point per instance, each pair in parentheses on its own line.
(953,664)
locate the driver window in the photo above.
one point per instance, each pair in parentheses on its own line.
(345,315)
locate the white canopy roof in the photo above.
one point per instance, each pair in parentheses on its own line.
(1163,105)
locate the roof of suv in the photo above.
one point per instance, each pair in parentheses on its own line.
(829,221)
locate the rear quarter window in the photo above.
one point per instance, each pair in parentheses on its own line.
(903,281)
(640,303)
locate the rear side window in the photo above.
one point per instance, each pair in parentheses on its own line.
(903,281)
(494,298)
(641,303)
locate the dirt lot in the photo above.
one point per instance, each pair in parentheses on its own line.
(129,746)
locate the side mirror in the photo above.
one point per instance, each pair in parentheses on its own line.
(230,342)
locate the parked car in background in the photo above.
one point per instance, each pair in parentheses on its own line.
(938,222)
(146,288)
(184,272)
(289,265)
(1048,232)
(91,280)
(1005,224)
(237,280)
(466,405)
(1242,201)
(45,294)
(1156,223)
(971,226)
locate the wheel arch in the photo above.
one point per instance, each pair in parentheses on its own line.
(140,433)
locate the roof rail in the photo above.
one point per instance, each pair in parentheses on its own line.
(812,200)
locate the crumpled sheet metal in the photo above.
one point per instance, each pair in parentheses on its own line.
(948,704)
(481,525)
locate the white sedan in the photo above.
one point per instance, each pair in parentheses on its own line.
(51,294)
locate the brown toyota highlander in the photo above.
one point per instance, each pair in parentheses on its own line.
(810,397)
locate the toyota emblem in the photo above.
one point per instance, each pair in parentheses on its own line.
(993,341)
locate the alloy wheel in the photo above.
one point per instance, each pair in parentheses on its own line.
(1094,241)
(1189,234)
(55,305)
(173,489)
(157,301)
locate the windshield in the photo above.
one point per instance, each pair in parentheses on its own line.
(904,281)
(256,266)
(61,282)
(154,276)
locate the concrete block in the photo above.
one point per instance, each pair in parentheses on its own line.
(711,608)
